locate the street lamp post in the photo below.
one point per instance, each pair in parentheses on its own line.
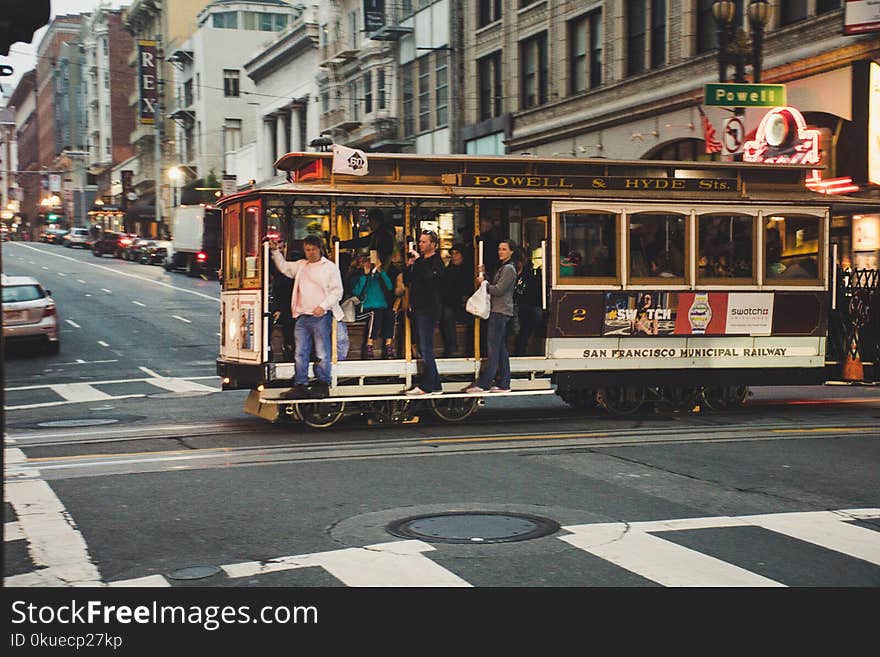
(176,176)
(734,46)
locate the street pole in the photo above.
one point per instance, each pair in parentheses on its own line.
(157,138)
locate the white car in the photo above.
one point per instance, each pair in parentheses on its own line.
(77,237)
(29,313)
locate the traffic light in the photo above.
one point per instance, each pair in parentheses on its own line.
(51,217)
(20,21)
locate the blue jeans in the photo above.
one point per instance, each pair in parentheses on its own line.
(312,330)
(497,358)
(425,325)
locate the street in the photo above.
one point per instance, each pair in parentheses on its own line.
(126,466)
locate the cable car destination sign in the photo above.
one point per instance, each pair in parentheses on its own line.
(596,183)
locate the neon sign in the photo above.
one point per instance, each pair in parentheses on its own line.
(783,138)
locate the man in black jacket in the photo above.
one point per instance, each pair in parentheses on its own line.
(380,239)
(424,275)
(458,286)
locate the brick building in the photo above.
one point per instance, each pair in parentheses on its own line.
(24,101)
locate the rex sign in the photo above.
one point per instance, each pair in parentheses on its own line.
(148,76)
(744,95)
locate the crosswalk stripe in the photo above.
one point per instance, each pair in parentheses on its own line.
(150,581)
(396,564)
(79,392)
(657,559)
(55,544)
(180,385)
(826,529)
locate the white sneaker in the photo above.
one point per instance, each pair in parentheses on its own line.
(497,389)
(415,391)
(474,390)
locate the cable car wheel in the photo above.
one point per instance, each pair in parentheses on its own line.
(392,411)
(320,415)
(679,398)
(454,409)
(580,398)
(621,400)
(724,398)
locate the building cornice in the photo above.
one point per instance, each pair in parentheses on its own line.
(298,40)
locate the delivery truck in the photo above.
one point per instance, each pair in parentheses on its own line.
(195,240)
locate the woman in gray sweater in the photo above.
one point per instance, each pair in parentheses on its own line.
(501,298)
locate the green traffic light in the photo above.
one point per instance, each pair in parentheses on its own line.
(52,217)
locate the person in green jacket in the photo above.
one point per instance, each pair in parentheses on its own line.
(373,287)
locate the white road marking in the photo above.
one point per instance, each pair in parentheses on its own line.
(657,559)
(72,323)
(632,546)
(102,343)
(182,319)
(88,295)
(62,274)
(147,370)
(79,280)
(79,392)
(23,407)
(104,289)
(150,581)
(121,273)
(828,529)
(138,303)
(55,544)
(397,564)
(12,531)
(180,385)
(46,268)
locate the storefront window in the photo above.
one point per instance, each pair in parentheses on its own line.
(587,246)
(657,246)
(725,247)
(791,247)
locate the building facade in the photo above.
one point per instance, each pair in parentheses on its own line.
(214,102)
(624,79)
(285,99)
(168,24)
(108,84)
(27,150)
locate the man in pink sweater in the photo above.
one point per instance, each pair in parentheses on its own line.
(314,303)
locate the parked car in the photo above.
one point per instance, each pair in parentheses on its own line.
(4,232)
(110,242)
(131,250)
(29,313)
(77,237)
(53,235)
(152,252)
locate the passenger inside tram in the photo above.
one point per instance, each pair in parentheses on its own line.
(371,265)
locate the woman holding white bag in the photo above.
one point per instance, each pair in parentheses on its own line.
(501,311)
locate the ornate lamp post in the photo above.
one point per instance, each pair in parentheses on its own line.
(733,44)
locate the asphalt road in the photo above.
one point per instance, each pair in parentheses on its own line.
(161,479)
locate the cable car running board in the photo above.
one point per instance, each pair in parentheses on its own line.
(404,397)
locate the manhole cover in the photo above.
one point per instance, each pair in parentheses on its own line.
(473,527)
(78,423)
(194,572)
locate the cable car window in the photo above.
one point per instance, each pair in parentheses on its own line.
(587,247)
(791,247)
(232,259)
(725,248)
(657,247)
(452,221)
(251,245)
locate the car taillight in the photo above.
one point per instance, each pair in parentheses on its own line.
(124,242)
(50,310)
(201,256)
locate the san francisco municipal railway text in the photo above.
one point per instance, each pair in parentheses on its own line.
(690,352)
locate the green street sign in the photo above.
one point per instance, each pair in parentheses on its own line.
(744,95)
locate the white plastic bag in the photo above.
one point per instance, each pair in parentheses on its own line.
(349,309)
(479,304)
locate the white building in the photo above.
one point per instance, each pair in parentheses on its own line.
(214,101)
(287,110)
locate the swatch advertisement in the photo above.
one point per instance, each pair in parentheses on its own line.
(653,313)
